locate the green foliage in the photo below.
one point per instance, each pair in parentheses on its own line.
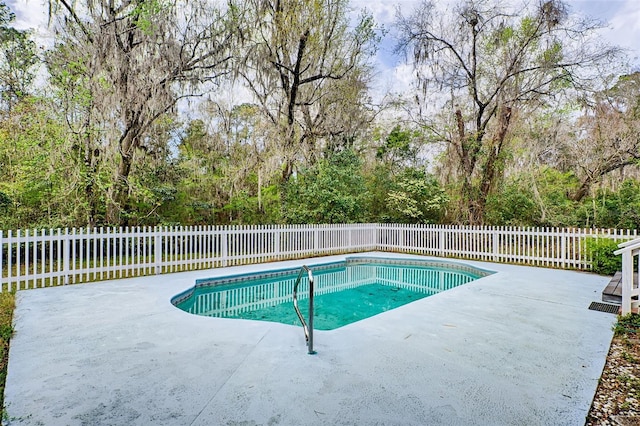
(146,15)
(410,196)
(603,260)
(17,60)
(627,325)
(331,191)
(506,34)
(246,207)
(379,182)
(544,199)
(512,205)
(7,306)
(416,198)
(5,201)
(500,37)
(613,209)
(6,331)
(59,168)
(398,146)
(38,177)
(539,200)
(555,187)
(553,54)
(528,26)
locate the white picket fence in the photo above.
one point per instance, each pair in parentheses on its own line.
(42,258)
(563,248)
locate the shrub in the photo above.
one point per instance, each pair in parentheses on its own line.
(627,324)
(603,261)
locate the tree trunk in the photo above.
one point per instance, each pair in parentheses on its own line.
(474,195)
(118,194)
(91,155)
(490,169)
(595,176)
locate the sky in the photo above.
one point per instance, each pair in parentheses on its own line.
(622,18)
(393,74)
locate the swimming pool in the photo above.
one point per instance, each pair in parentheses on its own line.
(345,292)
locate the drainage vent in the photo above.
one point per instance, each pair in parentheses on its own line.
(604,307)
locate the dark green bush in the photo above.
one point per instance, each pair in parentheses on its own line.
(603,260)
(627,324)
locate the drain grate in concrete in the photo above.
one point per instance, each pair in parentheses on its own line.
(604,307)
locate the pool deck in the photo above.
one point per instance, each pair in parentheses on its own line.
(519,347)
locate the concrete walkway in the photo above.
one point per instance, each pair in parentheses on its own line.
(518,347)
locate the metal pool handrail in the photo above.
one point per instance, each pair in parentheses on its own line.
(308,331)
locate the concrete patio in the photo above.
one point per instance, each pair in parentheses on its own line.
(519,347)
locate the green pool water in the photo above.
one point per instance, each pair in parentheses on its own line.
(343,294)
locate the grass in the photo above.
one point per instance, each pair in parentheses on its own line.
(7,305)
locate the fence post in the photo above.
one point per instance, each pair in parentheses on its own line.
(440,230)
(494,243)
(276,241)
(9,261)
(18,261)
(627,281)
(563,248)
(224,235)
(157,249)
(66,254)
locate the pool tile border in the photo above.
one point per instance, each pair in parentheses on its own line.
(239,278)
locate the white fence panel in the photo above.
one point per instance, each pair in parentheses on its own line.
(42,258)
(550,247)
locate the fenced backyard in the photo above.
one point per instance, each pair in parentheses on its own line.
(42,258)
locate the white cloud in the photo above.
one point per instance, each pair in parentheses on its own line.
(403,77)
(32,15)
(382,11)
(625,29)
(29,14)
(622,16)
(392,73)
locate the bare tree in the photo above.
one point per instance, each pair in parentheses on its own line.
(18,60)
(591,138)
(297,60)
(134,60)
(492,62)
(609,138)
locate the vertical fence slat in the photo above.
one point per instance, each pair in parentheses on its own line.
(39,258)
(9,266)
(18,262)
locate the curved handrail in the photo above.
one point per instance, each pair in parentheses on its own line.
(628,250)
(308,330)
(627,244)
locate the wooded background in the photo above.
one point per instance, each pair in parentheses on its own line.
(153,112)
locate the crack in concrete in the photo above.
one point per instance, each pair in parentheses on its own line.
(240,364)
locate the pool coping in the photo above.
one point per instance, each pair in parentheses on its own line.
(516,347)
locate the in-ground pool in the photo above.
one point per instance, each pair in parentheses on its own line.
(345,292)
